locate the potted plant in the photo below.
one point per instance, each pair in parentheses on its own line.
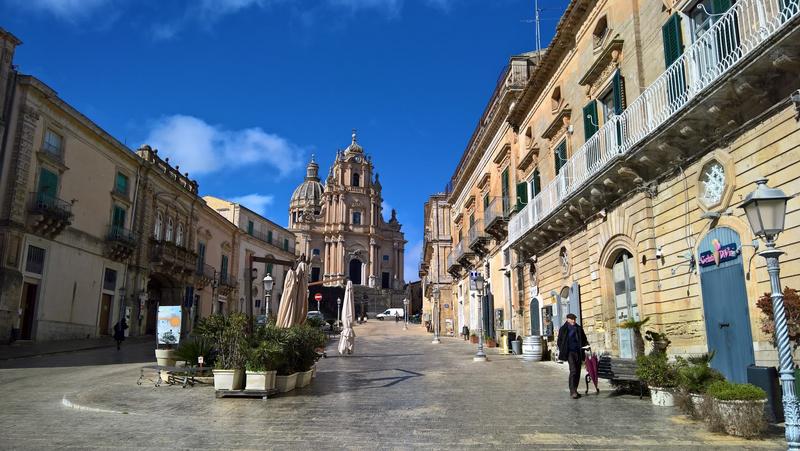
(739,407)
(191,350)
(660,341)
(473,338)
(660,375)
(307,340)
(262,363)
(490,343)
(636,327)
(231,353)
(694,378)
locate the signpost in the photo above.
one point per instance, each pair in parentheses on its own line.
(318,298)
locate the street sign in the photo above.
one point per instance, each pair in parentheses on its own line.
(200,359)
(318,297)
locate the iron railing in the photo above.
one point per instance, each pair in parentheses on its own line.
(743,28)
(122,235)
(496,210)
(228,280)
(43,203)
(205,270)
(476,233)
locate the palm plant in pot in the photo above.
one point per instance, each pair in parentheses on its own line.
(660,375)
(307,340)
(286,379)
(231,353)
(694,378)
(262,363)
(191,350)
(636,326)
(738,408)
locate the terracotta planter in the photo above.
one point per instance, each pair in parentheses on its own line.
(473,339)
(260,380)
(662,397)
(228,379)
(491,344)
(742,418)
(304,378)
(286,383)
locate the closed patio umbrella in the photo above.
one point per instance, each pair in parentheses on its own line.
(348,338)
(287,309)
(301,282)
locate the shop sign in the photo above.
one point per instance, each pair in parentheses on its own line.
(719,254)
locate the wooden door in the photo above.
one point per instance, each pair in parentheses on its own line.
(105,314)
(29,295)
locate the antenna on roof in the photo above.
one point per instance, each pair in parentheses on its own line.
(537,20)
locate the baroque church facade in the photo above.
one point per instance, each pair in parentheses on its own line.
(340,224)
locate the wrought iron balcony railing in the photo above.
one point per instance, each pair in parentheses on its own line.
(747,25)
(43,203)
(121,235)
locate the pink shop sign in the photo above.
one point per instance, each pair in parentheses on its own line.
(718,254)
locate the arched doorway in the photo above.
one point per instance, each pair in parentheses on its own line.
(626,301)
(355,271)
(725,303)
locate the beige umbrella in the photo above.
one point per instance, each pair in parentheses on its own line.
(286,310)
(301,282)
(347,340)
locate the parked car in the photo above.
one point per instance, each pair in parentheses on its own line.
(390,313)
(261,320)
(317,316)
(415,319)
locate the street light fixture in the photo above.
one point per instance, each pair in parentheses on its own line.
(476,283)
(268,283)
(405,313)
(766,212)
(338,310)
(436,296)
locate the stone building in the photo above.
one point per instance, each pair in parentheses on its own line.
(436,245)
(341,226)
(257,236)
(638,133)
(217,278)
(67,196)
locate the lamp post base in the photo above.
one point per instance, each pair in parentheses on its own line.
(480,358)
(436,340)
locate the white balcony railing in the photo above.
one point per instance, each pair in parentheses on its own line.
(745,26)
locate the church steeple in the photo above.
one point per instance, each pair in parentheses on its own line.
(312,170)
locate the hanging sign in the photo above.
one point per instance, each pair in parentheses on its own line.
(718,254)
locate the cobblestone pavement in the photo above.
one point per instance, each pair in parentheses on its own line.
(398,391)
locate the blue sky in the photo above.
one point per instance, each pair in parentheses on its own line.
(241,92)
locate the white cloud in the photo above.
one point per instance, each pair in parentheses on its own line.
(256,202)
(69,10)
(411,262)
(202,148)
(387,210)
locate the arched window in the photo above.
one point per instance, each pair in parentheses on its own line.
(357,218)
(157,227)
(356,179)
(168,236)
(179,235)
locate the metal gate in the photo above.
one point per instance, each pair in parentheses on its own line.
(725,303)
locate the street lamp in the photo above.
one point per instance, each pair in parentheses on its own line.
(338,310)
(268,283)
(436,312)
(405,313)
(476,283)
(766,212)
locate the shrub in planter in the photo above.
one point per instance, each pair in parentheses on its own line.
(229,336)
(791,303)
(694,378)
(192,349)
(660,375)
(739,408)
(261,365)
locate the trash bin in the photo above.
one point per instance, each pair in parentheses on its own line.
(766,377)
(516,346)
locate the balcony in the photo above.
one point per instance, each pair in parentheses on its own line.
(748,53)
(453,266)
(205,274)
(49,215)
(227,283)
(169,258)
(496,218)
(463,253)
(477,238)
(120,243)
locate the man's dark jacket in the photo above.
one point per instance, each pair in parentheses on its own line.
(563,346)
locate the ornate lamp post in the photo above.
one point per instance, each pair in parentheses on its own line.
(405,313)
(268,283)
(436,295)
(476,284)
(338,310)
(766,212)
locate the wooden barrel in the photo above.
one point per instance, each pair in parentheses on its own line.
(532,348)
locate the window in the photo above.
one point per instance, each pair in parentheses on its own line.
(357,218)
(269,236)
(250,227)
(590,121)
(286,244)
(561,156)
(52,142)
(110,280)
(356,179)
(471,220)
(505,189)
(201,257)
(600,32)
(118,219)
(157,227)
(486,202)
(35,260)
(522,195)
(179,235)
(48,185)
(536,183)
(168,236)
(386,258)
(555,104)
(315,252)
(673,49)
(121,184)
(223,269)
(315,274)
(294,216)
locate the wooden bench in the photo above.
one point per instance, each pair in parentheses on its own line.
(183,375)
(617,370)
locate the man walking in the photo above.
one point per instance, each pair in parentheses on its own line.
(571,340)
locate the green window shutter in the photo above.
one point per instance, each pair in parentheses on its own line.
(48,183)
(249,227)
(590,122)
(224,267)
(561,156)
(269,268)
(121,183)
(269,237)
(485,202)
(118,218)
(720,6)
(201,254)
(472,219)
(618,84)
(522,195)
(673,41)
(505,189)
(285,244)
(536,183)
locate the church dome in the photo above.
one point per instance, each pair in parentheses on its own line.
(354,147)
(309,194)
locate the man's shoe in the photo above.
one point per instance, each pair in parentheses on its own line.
(575,396)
